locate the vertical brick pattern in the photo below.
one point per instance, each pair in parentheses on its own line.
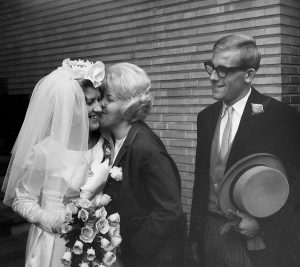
(170,39)
(290,56)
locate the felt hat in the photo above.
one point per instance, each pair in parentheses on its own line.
(256,185)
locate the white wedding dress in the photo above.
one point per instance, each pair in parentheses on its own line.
(44,248)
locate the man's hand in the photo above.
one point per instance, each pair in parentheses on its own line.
(195,250)
(248,226)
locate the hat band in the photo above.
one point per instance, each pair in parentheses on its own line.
(235,179)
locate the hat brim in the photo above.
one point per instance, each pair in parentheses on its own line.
(224,200)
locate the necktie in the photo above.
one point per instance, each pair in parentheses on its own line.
(227,132)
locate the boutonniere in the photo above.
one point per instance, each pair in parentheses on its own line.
(257,108)
(116,173)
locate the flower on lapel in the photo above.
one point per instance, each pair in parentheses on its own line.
(116,173)
(257,108)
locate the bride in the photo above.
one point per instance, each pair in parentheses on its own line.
(58,153)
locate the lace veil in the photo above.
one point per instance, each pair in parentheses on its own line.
(56,122)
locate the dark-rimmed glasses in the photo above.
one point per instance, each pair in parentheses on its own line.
(221,71)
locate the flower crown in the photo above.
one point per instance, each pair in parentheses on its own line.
(81,69)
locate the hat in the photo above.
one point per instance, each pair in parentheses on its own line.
(256,185)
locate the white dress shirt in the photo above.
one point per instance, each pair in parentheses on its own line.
(238,109)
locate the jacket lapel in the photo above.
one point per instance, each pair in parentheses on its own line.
(128,141)
(247,126)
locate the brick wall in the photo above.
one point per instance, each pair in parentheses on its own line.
(290,53)
(170,39)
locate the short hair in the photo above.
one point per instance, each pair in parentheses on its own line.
(130,83)
(249,54)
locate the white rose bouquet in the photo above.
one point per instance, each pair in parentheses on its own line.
(91,236)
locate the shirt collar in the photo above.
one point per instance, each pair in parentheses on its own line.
(239,106)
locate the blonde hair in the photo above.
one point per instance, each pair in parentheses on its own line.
(131,84)
(249,54)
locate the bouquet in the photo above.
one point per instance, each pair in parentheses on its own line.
(91,236)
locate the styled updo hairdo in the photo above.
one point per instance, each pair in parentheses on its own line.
(85,83)
(130,83)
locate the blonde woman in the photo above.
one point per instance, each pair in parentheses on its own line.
(144,183)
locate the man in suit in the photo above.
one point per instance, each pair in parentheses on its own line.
(242,122)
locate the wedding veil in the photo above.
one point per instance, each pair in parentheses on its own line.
(56,122)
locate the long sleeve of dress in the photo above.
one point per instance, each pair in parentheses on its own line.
(26,205)
(28,195)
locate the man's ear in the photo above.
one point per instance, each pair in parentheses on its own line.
(250,74)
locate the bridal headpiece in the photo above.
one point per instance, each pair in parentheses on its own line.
(81,69)
(56,123)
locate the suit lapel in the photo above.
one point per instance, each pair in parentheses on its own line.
(128,141)
(112,186)
(247,126)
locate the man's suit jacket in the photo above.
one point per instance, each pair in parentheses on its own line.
(275,131)
(147,199)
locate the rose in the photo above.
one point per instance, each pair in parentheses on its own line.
(84,203)
(114,230)
(116,173)
(106,245)
(87,234)
(91,254)
(114,219)
(68,217)
(83,215)
(78,247)
(71,207)
(89,223)
(101,213)
(97,264)
(105,199)
(66,259)
(102,226)
(109,258)
(257,108)
(97,200)
(102,200)
(95,73)
(84,264)
(116,240)
(65,228)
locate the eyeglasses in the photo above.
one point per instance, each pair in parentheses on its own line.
(221,71)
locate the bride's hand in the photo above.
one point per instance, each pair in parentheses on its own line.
(85,194)
(52,222)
